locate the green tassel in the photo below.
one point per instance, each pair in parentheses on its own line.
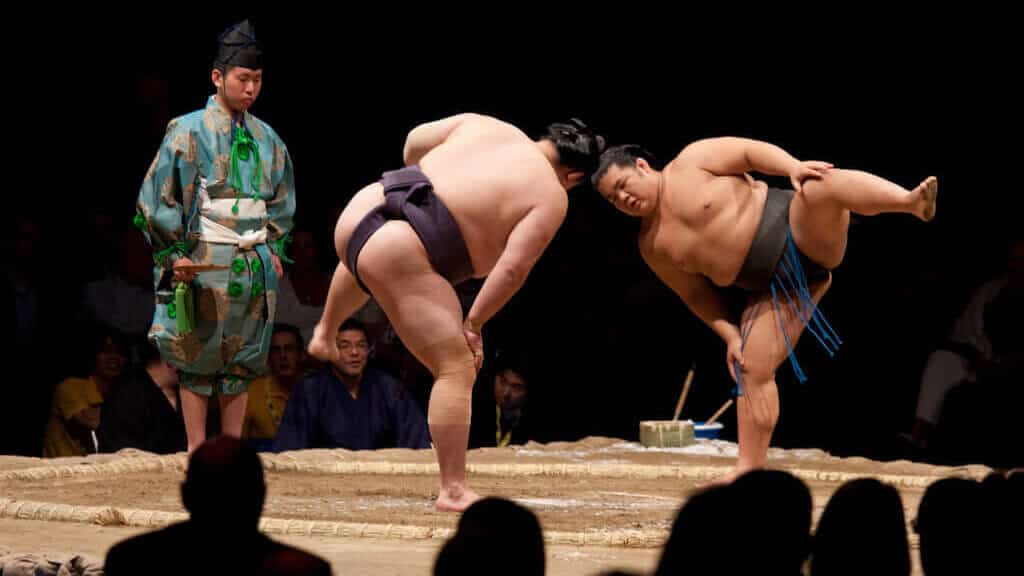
(279,248)
(241,149)
(162,255)
(184,311)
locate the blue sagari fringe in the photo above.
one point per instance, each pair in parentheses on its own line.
(789,284)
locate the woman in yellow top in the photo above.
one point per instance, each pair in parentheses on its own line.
(77,402)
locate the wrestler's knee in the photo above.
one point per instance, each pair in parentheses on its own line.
(819,189)
(450,359)
(458,365)
(452,398)
(758,370)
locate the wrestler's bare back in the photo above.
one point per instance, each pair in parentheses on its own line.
(490,175)
(705,223)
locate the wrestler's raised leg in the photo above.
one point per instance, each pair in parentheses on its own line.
(820,213)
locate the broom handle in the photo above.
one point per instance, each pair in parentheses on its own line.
(719,413)
(686,390)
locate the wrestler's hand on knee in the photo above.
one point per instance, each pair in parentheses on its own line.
(808,170)
(476,345)
(734,355)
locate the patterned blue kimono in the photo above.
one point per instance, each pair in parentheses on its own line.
(200,201)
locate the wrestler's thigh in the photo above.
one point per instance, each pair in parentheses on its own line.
(420,303)
(365,200)
(766,346)
(819,224)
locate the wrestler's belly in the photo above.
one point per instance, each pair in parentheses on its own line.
(721,262)
(726,240)
(717,251)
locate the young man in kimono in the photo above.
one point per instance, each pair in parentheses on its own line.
(219,194)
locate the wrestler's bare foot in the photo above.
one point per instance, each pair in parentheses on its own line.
(455,499)
(719,480)
(323,346)
(926,193)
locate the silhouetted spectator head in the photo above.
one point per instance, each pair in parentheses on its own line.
(224,493)
(224,487)
(759,524)
(862,531)
(698,542)
(494,536)
(1001,531)
(773,520)
(949,519)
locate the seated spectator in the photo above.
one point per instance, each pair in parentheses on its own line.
(495,536)
(144,410)
(303,289)
(123,298)
(224,492)
(985,346)
(1001,531)
(268,395)
(773,521)
(949,521)
(862,531)
(695,545)
(759,524)
(499,404)
(77,402)
(348,405)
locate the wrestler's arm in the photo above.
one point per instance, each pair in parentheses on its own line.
(699,294)
(525,244)
(733,156)
(426,137)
